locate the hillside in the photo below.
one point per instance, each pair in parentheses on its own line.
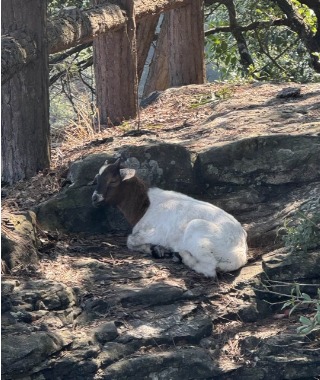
(82,306)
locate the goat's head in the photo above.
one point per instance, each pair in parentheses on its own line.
(108,182)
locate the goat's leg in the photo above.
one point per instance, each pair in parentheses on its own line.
(155,250)
(160,252)
(206,268)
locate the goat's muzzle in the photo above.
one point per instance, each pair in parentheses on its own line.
(96,199)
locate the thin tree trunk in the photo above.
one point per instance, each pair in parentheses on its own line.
(115,64)
(25,145)
(145,36)
(158,75)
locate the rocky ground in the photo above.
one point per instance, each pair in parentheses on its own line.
(84,307)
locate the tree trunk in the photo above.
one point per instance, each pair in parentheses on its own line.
(145,36)
(115,65)
(179,54)
(186,45)
(25,101)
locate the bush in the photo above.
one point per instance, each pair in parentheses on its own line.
(302,232)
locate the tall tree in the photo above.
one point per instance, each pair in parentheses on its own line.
(25,145)
(115,64)
(179,55)
(186,44)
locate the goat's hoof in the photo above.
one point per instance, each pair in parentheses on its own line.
(176,257)
(158,252)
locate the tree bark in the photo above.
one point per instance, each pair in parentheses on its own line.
(25,145)
(186,44)
(18,49)
(115,64)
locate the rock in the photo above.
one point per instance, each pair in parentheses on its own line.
(71,367)
(171,330)
(19,241)
(152,97)
(167,324)
(260,163)
(71,210)
(264,221)
(185,363)
(156,294)
(283,270)
(112,352)
(82,172)
(282,265)
(21,354)
(106,332)
(260,180)
(279,357)
(289,92)
(35,295)
(163,165)
(93,308)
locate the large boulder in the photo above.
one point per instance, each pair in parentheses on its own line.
(23,353)
(164,165)
(261,179)
(257,169)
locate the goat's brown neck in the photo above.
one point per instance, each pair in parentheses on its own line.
(132,199)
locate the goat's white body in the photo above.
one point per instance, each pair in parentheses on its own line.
(206,237)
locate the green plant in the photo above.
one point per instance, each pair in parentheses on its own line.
(301,300)
(224,92)
(203,99)
(277,52)
(302,232)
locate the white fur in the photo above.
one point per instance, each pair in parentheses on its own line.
(206,237)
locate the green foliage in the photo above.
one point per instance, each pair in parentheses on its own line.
(55,5)
(277,51)
(223,93)
(302,232)
(303,300)
(307,14)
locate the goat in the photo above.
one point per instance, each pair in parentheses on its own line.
(206,238)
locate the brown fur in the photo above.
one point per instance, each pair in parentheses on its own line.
(132,199)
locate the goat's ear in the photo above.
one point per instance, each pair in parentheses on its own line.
(127,173)
(94,181)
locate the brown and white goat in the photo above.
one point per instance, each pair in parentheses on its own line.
(206,237)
